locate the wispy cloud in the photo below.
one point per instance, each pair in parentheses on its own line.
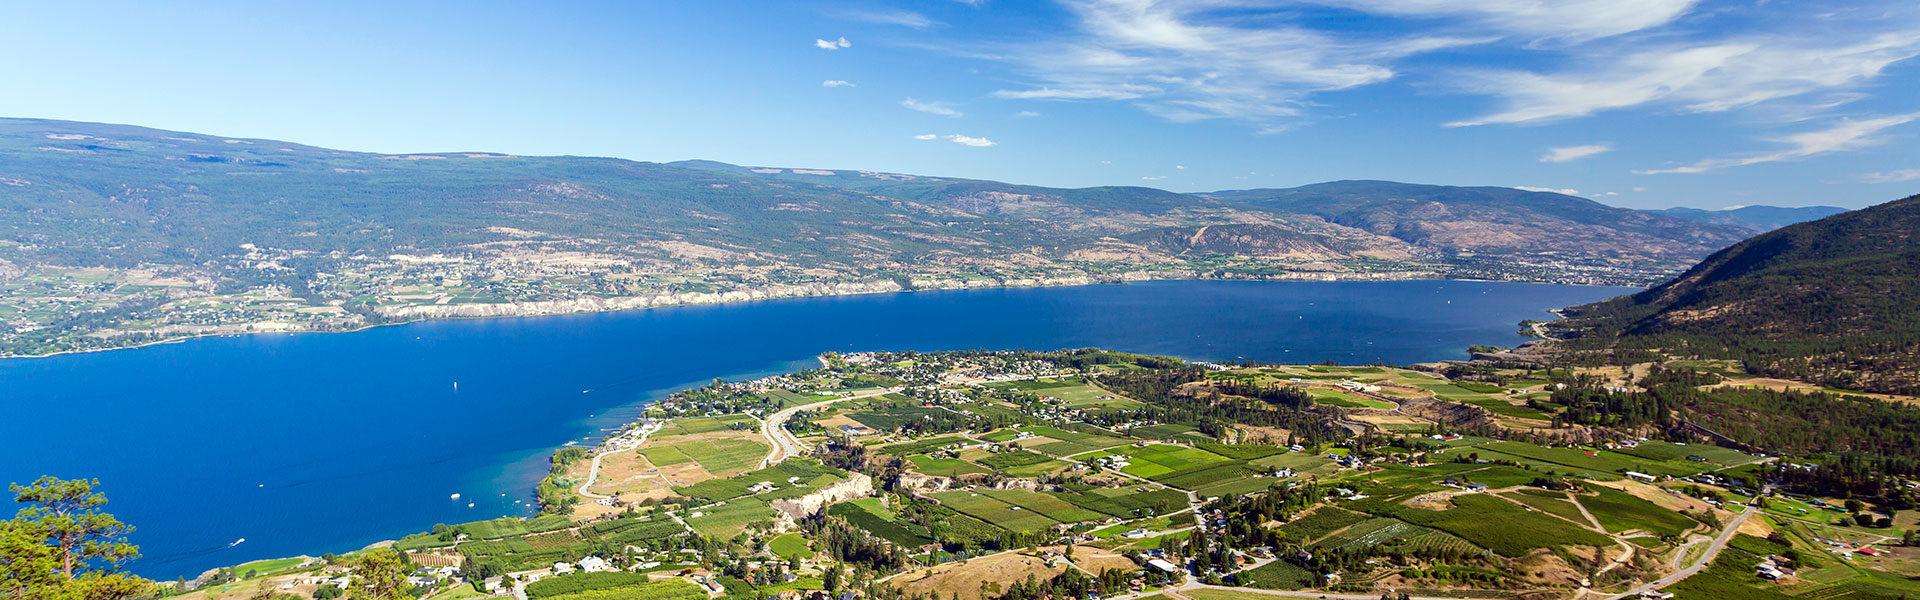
(1026,114)
(1891,176)
(1231,59)
(1264,62)
(964,140)
(1153,177)
(976,142)
(1567,191)
(1848,135)
(1572,153)
(1689,77)
(933,108)
(903,18)
(833,44)
(834,83)
(1566,19)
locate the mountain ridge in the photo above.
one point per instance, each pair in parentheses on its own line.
(115,235)
(1829,301)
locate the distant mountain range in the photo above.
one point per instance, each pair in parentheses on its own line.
(1835,301)
(201,233)
(1759,219)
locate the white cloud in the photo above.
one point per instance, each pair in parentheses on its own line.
(1154,177)
(1026,114)
(834,83)
(1848,135)
(904,18)
(1180,167)
(1571,19)
(934,108)
(926,136)
(833,44)
(1891,176)
(1570,153)
(1690,77)
(970,141)
(1639,189)
(1567,191)
(1236,59)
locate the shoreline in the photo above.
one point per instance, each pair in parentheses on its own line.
(1077,281)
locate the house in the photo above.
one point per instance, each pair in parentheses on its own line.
(1135,534)
(1477,487)
(594,564)
(1163,565)
(1640,477)
(562,567)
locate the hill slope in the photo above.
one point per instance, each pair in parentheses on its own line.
(1496,220)
(1759,219)
(1835,301)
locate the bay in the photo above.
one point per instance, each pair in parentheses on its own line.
(311,443)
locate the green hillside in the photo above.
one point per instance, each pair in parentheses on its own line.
(1834,301)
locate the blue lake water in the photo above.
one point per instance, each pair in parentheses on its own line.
(313,443)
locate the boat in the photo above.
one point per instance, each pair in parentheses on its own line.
(236,542)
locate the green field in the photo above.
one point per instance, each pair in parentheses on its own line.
(991,510)
(789,545)
(267,567)
(1501,526)
(1023,463)
(1051,506)
(1074,392)
(1322,521)
(724,457)
(1276,575)
(662,456)
(727,520)
(1620,511)
(1340,398)
(1553,503)
(944,467)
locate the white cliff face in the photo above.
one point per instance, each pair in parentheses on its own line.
(857,486)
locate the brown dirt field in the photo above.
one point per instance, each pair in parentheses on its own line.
(1251,432)
(1097,560)
(964,578)
(1776,384)
(834,422)
(242,590)
(1669,501)
(437,560)
(1389,419)
(1756,527)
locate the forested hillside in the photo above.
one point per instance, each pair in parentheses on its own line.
(1834,301)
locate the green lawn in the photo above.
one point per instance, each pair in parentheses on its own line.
(789,545)
(944,467)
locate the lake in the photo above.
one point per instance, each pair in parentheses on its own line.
(313,443)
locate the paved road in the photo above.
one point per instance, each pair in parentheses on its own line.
(593,471)
(782,443)
(1706,558)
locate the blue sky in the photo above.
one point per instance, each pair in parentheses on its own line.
(1640,103)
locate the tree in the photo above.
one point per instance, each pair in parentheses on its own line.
(62,547)
(381,575)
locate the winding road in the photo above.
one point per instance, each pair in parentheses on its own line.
(782,443)
(1706,558)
